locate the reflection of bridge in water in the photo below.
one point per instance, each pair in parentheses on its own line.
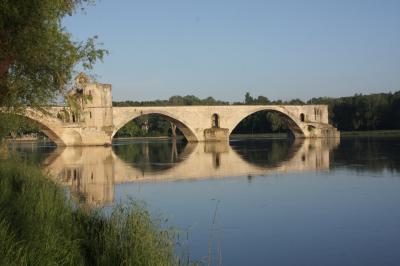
(92,172)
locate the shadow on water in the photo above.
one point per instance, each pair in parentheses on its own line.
(152,156)
(265,153)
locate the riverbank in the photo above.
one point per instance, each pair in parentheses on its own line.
(149,138)
(259,136)
(233,136)
(40,225)
(371,133)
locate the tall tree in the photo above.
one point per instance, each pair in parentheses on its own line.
(248,99)
(37,55)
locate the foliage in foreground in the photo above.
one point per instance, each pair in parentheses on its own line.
(40,226)
(38,55)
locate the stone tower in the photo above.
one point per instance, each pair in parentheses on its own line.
(97,104)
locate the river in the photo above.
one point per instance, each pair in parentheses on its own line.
(249,202)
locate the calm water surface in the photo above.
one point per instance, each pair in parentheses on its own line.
(253,202)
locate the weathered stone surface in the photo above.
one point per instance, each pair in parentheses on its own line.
(99,121)
(216,134)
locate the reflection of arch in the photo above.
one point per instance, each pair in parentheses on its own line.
(181,125)
(292,122)
(300,155)
(268,153)
(150,157)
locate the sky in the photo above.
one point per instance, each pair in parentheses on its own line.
(279,49)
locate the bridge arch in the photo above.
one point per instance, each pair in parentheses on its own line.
(46,123)
(123,118)
(293,122)
(267,154)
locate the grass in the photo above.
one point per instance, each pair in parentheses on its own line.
(39,225)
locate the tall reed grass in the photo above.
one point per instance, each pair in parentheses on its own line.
(39,225)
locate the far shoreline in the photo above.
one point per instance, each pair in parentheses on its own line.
(371,133)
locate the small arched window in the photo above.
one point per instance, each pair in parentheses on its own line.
(215,121)
(302,117)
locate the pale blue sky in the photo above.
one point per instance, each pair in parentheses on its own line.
(279,49)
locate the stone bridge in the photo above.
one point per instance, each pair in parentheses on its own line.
(98,121)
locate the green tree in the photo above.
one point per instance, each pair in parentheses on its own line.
(262,100)
(248,99)
(37,54)
(296,102)
(176,100)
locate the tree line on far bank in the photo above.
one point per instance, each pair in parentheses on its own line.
(380,111)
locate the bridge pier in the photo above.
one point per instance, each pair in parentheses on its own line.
(216,134)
